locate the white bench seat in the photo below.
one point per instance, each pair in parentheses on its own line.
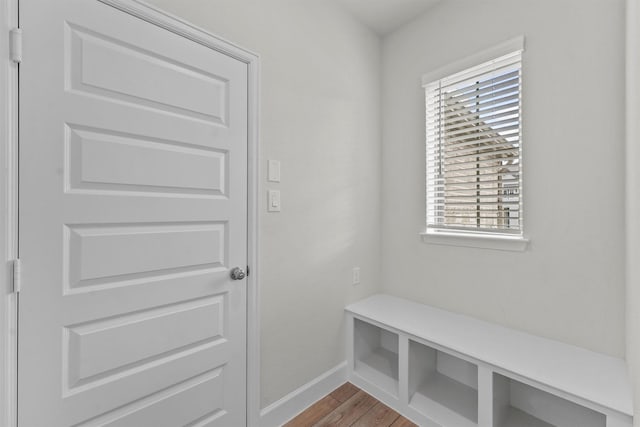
(504,360)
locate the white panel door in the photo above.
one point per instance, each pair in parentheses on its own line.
(133,210)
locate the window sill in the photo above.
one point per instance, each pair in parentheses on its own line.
(500,243)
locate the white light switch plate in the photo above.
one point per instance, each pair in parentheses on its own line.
(274,171)
(273,202)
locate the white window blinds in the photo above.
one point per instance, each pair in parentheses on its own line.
(473,138)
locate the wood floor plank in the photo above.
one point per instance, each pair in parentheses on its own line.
(315,412)
(344,392)
(349,406)
(403,422)
(349,411)
(380,416)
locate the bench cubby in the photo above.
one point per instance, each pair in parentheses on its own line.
(520,405)
(442,386)
(376,355)
(442,369)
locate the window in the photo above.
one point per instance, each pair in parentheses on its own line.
(474,150)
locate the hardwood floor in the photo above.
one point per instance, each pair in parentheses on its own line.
(349,406)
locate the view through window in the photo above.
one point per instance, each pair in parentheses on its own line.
(473,134)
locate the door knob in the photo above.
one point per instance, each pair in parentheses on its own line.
(237,273)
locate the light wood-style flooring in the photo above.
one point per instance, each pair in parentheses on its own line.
(349,406)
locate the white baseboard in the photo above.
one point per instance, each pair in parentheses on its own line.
(300,399)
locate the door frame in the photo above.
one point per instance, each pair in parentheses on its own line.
(9,196)
(632,181)
(8,218)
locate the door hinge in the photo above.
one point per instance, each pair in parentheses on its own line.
(15,38)
(17,276)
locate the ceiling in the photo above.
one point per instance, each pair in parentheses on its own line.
(384,16)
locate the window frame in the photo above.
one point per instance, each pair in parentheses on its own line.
(471,238)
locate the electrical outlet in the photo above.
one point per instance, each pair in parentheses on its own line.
(356,275)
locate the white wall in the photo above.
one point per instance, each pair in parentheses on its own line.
(569,285)
(633,197)
(320,117)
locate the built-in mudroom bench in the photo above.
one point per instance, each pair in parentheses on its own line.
(444,369)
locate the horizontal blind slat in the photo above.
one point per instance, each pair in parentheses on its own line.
(481,75)
(492,199)
(503,198)
(464,127)
(478,164)
(470,185)
(435,152)
(481,112)
(488,179)
(514,137)
(486,218)
(484,120)
(477,230)
(465,171)
(493,89)
(496,154)
(473,101)
(474,109)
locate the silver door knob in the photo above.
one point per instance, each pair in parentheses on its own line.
(237,273)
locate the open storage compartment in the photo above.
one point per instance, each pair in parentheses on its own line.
(376,355)
(443,387)
(519,405)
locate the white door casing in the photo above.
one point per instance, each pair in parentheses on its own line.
(8,217)
(133,208)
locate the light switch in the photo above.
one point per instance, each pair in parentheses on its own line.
(274,171)
(274,201)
